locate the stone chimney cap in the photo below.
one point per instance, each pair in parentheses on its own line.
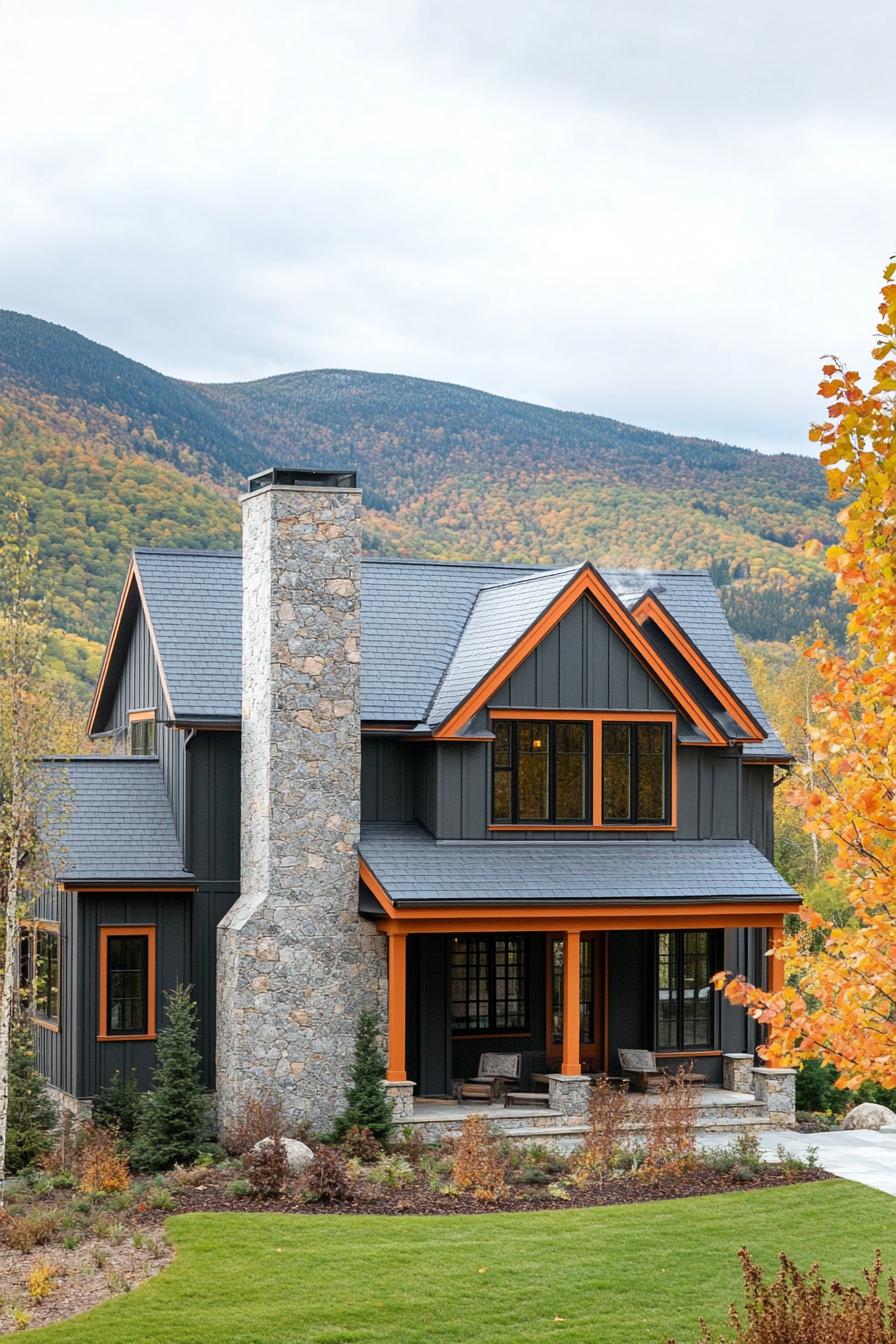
(304,476)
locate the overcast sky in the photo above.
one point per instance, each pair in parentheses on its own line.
(663,212)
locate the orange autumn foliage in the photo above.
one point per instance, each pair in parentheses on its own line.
(840,1005)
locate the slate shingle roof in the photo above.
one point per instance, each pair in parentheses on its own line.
(425,627)
(114,821)
(196,606)
(418,871)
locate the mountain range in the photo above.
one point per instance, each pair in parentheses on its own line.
(111,453)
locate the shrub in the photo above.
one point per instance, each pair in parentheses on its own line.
(802,1307)
(367,1105)
(174,1118)
(159,1198)
(479,1164)
(327,1179)
(609,1108)
(392,1170)
(239,1189)
(25,1232)
(670,1127)
(815,1090)
(744,1153)
(118,1104)
(361,1144)
(261,1117)
(267,1167)
(31,1117)
(99,1165)
(41,1281)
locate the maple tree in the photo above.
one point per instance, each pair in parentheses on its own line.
(840,1004)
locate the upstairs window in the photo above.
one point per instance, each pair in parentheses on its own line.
(636,774)
(540,772)
(143,733)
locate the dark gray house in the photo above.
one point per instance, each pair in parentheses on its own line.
(510,808)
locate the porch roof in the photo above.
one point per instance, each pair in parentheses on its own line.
(416,871)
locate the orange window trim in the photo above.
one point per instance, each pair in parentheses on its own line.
(108,931)
(141,715)
(597,718)
(649,609)
(587,583)
(52,926)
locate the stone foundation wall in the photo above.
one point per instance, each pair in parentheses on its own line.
(296,964)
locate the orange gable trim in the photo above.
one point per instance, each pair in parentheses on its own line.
(132,583)
(587,583)
(651,609)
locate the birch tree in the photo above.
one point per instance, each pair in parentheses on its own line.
(24,731)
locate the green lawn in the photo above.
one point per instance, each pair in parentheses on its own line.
(606,1276)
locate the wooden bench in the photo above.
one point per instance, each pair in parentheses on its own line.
(527,1099)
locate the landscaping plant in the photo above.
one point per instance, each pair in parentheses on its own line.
(480,1166)
(261,1117)
(174,1118)
(327,1178)
(267,1167)
(118,1104)
(99,1165)
(367,1105)
(609,1108)
(670,1139)
(798,1308)
(31,1117)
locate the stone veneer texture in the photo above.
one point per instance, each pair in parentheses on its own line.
(296,964)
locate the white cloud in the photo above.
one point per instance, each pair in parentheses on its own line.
(659,212)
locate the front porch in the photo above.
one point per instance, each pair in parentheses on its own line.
(563,1002)
(720,1110)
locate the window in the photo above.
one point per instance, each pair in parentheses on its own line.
(540,772)
(586,991)
(684,996)
(127,982)
(45,997)
(636,774)
(39,972)
(143,733)
(489,984)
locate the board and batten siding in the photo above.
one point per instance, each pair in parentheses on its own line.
(170,912)
(582,664)
(212,854)
(140,687)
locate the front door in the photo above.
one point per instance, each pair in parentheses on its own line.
(592,996)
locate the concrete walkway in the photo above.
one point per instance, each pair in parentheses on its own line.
(860,1155)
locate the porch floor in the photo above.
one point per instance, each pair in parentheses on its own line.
(445,1110)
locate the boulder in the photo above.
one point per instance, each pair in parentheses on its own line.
(868,1115)
(298,1154)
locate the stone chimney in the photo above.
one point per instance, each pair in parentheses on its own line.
(296,964)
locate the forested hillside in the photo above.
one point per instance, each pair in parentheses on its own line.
(112,453)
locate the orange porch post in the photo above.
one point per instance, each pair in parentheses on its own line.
(572,948)
(395,1055)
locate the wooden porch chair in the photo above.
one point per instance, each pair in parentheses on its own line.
(640,1068)
(491,1081)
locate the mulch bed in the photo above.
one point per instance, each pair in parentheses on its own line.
(417,1198)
